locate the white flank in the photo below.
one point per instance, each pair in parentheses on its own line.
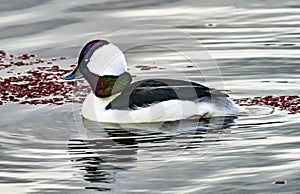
(171,110)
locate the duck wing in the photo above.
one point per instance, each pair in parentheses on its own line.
(148,92)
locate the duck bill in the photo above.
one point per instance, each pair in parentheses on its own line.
(75,74)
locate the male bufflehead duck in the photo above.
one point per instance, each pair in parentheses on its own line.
(114,99)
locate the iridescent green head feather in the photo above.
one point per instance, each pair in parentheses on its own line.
(109,85)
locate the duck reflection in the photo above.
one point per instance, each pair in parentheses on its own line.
(106,149)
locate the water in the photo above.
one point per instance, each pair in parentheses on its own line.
(252,50)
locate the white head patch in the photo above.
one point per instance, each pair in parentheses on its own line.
(107,60)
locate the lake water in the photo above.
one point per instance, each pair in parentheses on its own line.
(248,48)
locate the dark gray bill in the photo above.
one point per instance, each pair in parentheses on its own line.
(75,74)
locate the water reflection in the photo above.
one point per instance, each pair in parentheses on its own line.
(108,149)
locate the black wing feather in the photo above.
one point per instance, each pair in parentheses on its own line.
(146,92)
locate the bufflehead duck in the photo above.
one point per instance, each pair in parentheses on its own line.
(114,99)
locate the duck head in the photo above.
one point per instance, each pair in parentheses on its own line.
(104,66)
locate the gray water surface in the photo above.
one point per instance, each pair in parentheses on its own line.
(250,48)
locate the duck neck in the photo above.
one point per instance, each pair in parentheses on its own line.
(109,85)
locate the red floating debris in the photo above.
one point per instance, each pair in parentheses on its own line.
(2,53)
(19,63)
(37,86)
(145,68)
(25,56)
(289,103)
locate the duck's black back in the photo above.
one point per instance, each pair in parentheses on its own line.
(148,92)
